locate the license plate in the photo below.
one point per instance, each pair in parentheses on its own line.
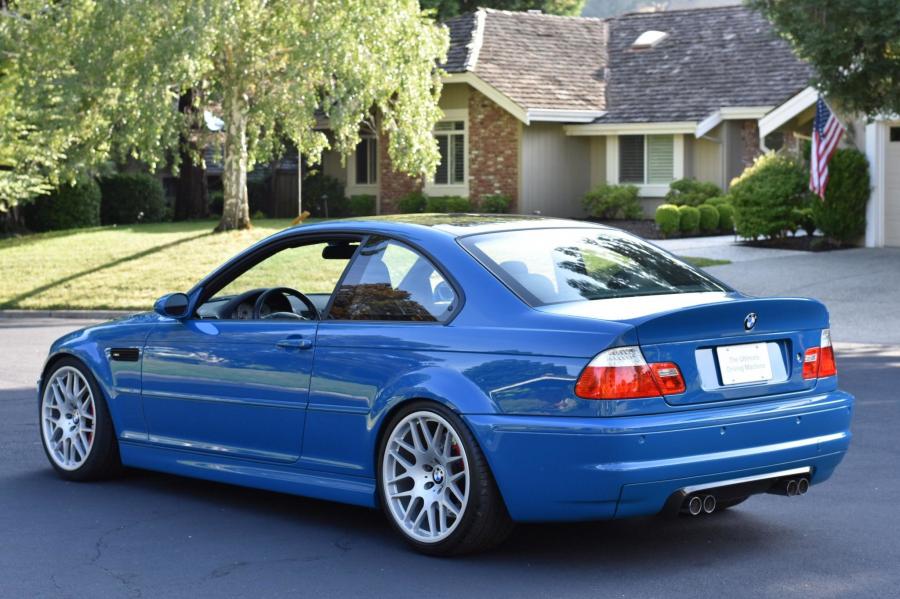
(749,363)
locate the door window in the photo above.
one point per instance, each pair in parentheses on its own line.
(391,281)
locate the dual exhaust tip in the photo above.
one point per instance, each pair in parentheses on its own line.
(705,503)
(792,487)
(700,504)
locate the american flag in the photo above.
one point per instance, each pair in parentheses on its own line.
(826,134)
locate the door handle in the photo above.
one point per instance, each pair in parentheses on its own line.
(294,343)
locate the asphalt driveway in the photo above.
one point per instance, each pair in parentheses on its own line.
(153,535)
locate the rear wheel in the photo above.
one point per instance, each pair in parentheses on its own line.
(435,485)
(76,428)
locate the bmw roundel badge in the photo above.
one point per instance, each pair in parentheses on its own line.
(750,321)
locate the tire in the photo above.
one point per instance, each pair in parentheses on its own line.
(78,438)
(445,471)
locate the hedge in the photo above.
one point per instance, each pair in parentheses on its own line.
(726,216)
(842,215)
(362,205)
(128,198)
(495,204)
(691,192)
(709,218)
(69,207)
(412,202)
(766,194)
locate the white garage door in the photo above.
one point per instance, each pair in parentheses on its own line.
(892,187)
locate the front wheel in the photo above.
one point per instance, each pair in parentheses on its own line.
(76,428)
(435,484)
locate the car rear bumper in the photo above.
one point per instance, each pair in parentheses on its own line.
(558,468)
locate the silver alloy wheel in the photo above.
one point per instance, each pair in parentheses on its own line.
(68,418)
(425,476)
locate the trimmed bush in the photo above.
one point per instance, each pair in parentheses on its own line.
(458,204)
(842,216)
(726,216)
(362,205)
(688,219)
(69,207)
(128,198)
(436,204)
(667,219)
(803,219)
(766,194)
(496,204)
(718,201)
(613,202)
(709,218)
(411,203)
(691,192)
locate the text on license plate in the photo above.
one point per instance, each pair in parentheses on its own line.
(748,363)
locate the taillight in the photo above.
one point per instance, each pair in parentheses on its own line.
(622,373)
(818,362)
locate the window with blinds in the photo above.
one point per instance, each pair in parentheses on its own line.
(646,159)
(367,161)
(631,158)
(451,139)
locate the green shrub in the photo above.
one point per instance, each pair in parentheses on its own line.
(458,204)
(765,195)
(613,202)
(128,198)
(691,192)
(804,219)
(362,205)
(718,201)
(688,219)
(323,195)
(842,216)
(667,219)
(69,207)
(436,204)
(709,218)
(412,202)
(495,204)
(726,216)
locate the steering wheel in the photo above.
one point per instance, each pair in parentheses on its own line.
(285,291)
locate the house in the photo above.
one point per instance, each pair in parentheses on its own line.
(542,108)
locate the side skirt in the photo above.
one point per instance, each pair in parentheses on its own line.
(271,477)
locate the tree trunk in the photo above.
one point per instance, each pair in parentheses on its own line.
(191,194)
(236,207)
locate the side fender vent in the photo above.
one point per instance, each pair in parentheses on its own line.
(124,354)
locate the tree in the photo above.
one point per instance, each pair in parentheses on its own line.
(853,46)
(445,9)
(274,71)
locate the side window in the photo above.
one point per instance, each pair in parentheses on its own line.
(391,281)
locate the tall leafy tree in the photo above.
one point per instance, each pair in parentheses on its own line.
(273,71)
(853,46)
(445,9)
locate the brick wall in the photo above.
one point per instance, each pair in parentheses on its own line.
(394,185)
(493,150)
(749,142)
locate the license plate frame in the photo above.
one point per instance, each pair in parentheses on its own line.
(744,364)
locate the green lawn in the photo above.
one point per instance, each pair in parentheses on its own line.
(703,262)
(125,267)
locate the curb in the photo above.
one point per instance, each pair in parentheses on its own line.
(70,314)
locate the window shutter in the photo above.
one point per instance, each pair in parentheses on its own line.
(459,159)
(660,158)
(631,158)
(362,162)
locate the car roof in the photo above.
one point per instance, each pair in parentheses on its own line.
(453,225)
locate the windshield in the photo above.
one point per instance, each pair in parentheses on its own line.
(551,266)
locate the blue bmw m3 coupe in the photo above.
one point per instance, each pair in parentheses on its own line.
(462,373)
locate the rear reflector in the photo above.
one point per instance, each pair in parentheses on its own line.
(622,373)
(818,362)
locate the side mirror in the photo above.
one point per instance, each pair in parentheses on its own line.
(172,305)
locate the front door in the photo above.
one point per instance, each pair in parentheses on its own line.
(233,380)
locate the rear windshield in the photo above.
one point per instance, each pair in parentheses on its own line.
(551,266)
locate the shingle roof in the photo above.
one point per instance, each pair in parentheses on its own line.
(712,58)
(538,61)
